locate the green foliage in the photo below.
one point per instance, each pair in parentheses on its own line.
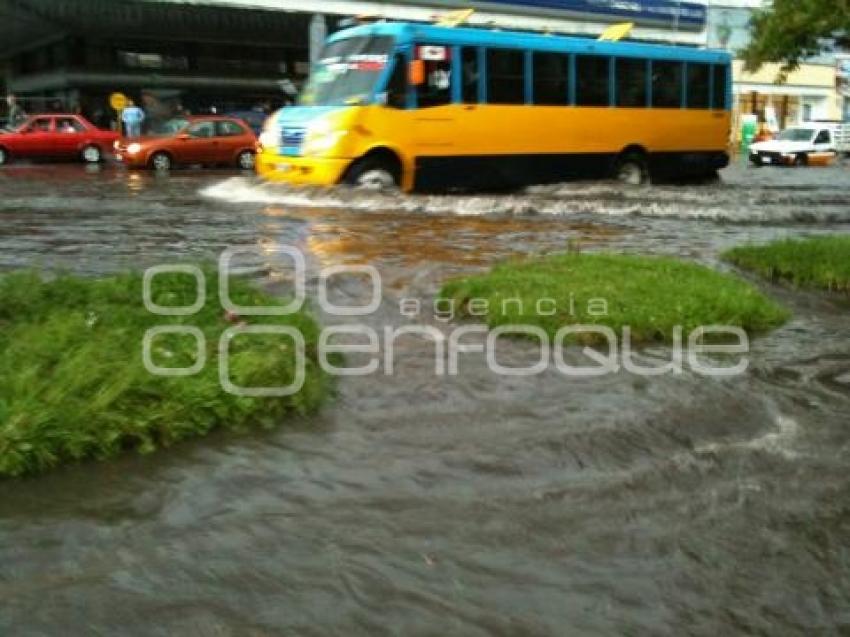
(820,262)
(74,385)
(651,295)
(791,30)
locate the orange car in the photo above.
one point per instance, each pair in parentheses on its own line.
(191,140)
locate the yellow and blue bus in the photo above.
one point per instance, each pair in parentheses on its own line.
(429,107)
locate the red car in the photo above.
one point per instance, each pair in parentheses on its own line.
(57,136)
(191,140)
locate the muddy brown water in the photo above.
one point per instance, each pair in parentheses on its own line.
(469,505)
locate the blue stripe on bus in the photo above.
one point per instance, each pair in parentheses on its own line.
(406,33)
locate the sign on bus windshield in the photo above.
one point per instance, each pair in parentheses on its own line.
(347,71)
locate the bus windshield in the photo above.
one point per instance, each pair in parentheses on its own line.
(347,71)
(797,135)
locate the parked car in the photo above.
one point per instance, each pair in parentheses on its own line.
(191,140)
(815,144)
(57,136)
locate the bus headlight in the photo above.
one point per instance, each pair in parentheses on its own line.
(269,139)
(318,144)
(321,138)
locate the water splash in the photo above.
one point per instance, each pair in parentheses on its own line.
(732,201)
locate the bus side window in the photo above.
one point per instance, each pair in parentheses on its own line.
(698,85)
(397,85)
(720,80)
(505,76)
(551,79)
(470,75)
(631,82)
(666,84)
(437,88)
(592,80)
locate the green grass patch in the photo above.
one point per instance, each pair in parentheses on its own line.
(651,295)
(74,386)
(819,262)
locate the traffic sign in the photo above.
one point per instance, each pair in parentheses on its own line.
(118,101)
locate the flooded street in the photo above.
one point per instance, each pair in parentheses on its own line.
(468,505)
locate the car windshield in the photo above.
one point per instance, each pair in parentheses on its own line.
(168,128)
(797,135)
(347,71)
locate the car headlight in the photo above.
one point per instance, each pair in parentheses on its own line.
(132,149)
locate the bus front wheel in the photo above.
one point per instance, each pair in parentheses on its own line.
(632,169)
(373,173)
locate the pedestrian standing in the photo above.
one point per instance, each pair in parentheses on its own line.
(17,116)
(133,118)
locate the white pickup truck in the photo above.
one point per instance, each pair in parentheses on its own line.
(811,144)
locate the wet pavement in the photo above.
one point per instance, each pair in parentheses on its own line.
(476,504)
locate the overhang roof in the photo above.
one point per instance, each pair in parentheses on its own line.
(24,23)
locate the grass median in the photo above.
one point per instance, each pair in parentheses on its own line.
(650,295)
(818,262)
(74,385)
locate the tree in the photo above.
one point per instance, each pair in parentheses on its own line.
(790,31)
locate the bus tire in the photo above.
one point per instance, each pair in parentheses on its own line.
(373,173)
(631,168)
(801,160)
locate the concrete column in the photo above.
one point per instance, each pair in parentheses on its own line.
(5,77)
(318,34)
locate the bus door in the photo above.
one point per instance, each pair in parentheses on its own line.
(435,117)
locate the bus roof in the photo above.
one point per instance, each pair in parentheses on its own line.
(407,32)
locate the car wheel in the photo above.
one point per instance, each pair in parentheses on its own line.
(373,174)
(91,154)
(4,156)
(756,160)
(161,161)
(631,168)
(801,160)
(246,160)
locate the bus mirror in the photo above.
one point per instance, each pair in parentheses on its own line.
(417,73)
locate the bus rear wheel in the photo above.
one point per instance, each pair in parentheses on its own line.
(373,173)
(631,168)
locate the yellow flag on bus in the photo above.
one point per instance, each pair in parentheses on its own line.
(455,18)
(617,32)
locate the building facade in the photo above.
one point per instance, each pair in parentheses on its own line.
(808,94)
(171,55)
(228,55)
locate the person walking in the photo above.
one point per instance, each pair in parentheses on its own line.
(17,115)
(133,118)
